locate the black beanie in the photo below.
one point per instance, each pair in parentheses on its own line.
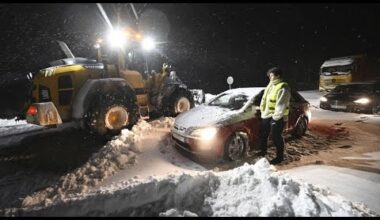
(277,71)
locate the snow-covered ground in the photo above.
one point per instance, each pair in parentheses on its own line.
(249,190)
(139,173)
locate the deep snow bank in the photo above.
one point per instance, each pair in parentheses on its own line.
(9,122)
(249,190)
(117,154)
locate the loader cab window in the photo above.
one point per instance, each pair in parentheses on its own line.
(65,90)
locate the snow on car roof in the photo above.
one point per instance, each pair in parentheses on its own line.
(338,62)
(249,91)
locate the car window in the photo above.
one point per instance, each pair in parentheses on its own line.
(257,98)
(230,101)
(296,97)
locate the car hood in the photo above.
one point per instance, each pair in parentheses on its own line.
(203,116)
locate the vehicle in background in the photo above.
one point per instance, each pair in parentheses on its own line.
(227,125)
(353,97)
(101,96)
(336,71)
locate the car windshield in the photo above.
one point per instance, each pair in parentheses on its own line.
(356,88)
(336,70)
(230,100)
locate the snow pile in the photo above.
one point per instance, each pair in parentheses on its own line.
(163,122)
(10,122)
(209,97)
(249,190)
(258,191)
(117,154)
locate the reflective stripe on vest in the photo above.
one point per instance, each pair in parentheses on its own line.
(273,97)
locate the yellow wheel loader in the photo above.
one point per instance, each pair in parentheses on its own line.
(100,96)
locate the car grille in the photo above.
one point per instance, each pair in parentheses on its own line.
(183,144)
(179,128)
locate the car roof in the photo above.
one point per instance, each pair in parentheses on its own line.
(249,91)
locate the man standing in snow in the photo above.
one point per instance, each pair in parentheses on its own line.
(274,107)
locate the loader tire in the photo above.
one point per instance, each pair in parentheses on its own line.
(110,113)
(180,101)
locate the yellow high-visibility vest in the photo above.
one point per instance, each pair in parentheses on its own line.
(273,97)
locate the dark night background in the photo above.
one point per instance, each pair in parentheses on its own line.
(205,42)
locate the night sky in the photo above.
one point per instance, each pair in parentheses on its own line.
(204,42)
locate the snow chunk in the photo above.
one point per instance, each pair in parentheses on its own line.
(176,213)
(117,154)
(249,190)
(9,122)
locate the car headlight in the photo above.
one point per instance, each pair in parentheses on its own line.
(323,99)
(363,101)
(205,133)
(308,113)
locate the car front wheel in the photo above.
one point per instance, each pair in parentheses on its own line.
(300,128)
(235,146)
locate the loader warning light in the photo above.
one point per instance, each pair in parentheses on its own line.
(32,110)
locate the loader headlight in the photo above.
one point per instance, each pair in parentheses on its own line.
(323,99)
(148,44)
(205,133)
(117,38)
(363,101)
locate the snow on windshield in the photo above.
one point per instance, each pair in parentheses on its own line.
(240,95)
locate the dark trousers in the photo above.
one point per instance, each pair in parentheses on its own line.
(276,127)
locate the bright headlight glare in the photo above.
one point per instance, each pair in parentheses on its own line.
(308,113)
(323,99)
(148,44)
(116,38)
(363,101)
(205,133)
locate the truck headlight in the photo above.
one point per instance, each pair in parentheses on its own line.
(363,101)
(205,133)
(148,44)
(323,99)
(117,38)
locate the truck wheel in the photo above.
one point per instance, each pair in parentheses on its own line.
(110,114)
(181,102)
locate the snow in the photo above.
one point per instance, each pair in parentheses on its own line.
(202,116)
(139,173)
(209,97)
(9,122)
(354,184)
(12,130)
(371,158)
(249,190)
(117,154)
(205,115)
(338,62)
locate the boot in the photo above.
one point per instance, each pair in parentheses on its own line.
(276,160)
